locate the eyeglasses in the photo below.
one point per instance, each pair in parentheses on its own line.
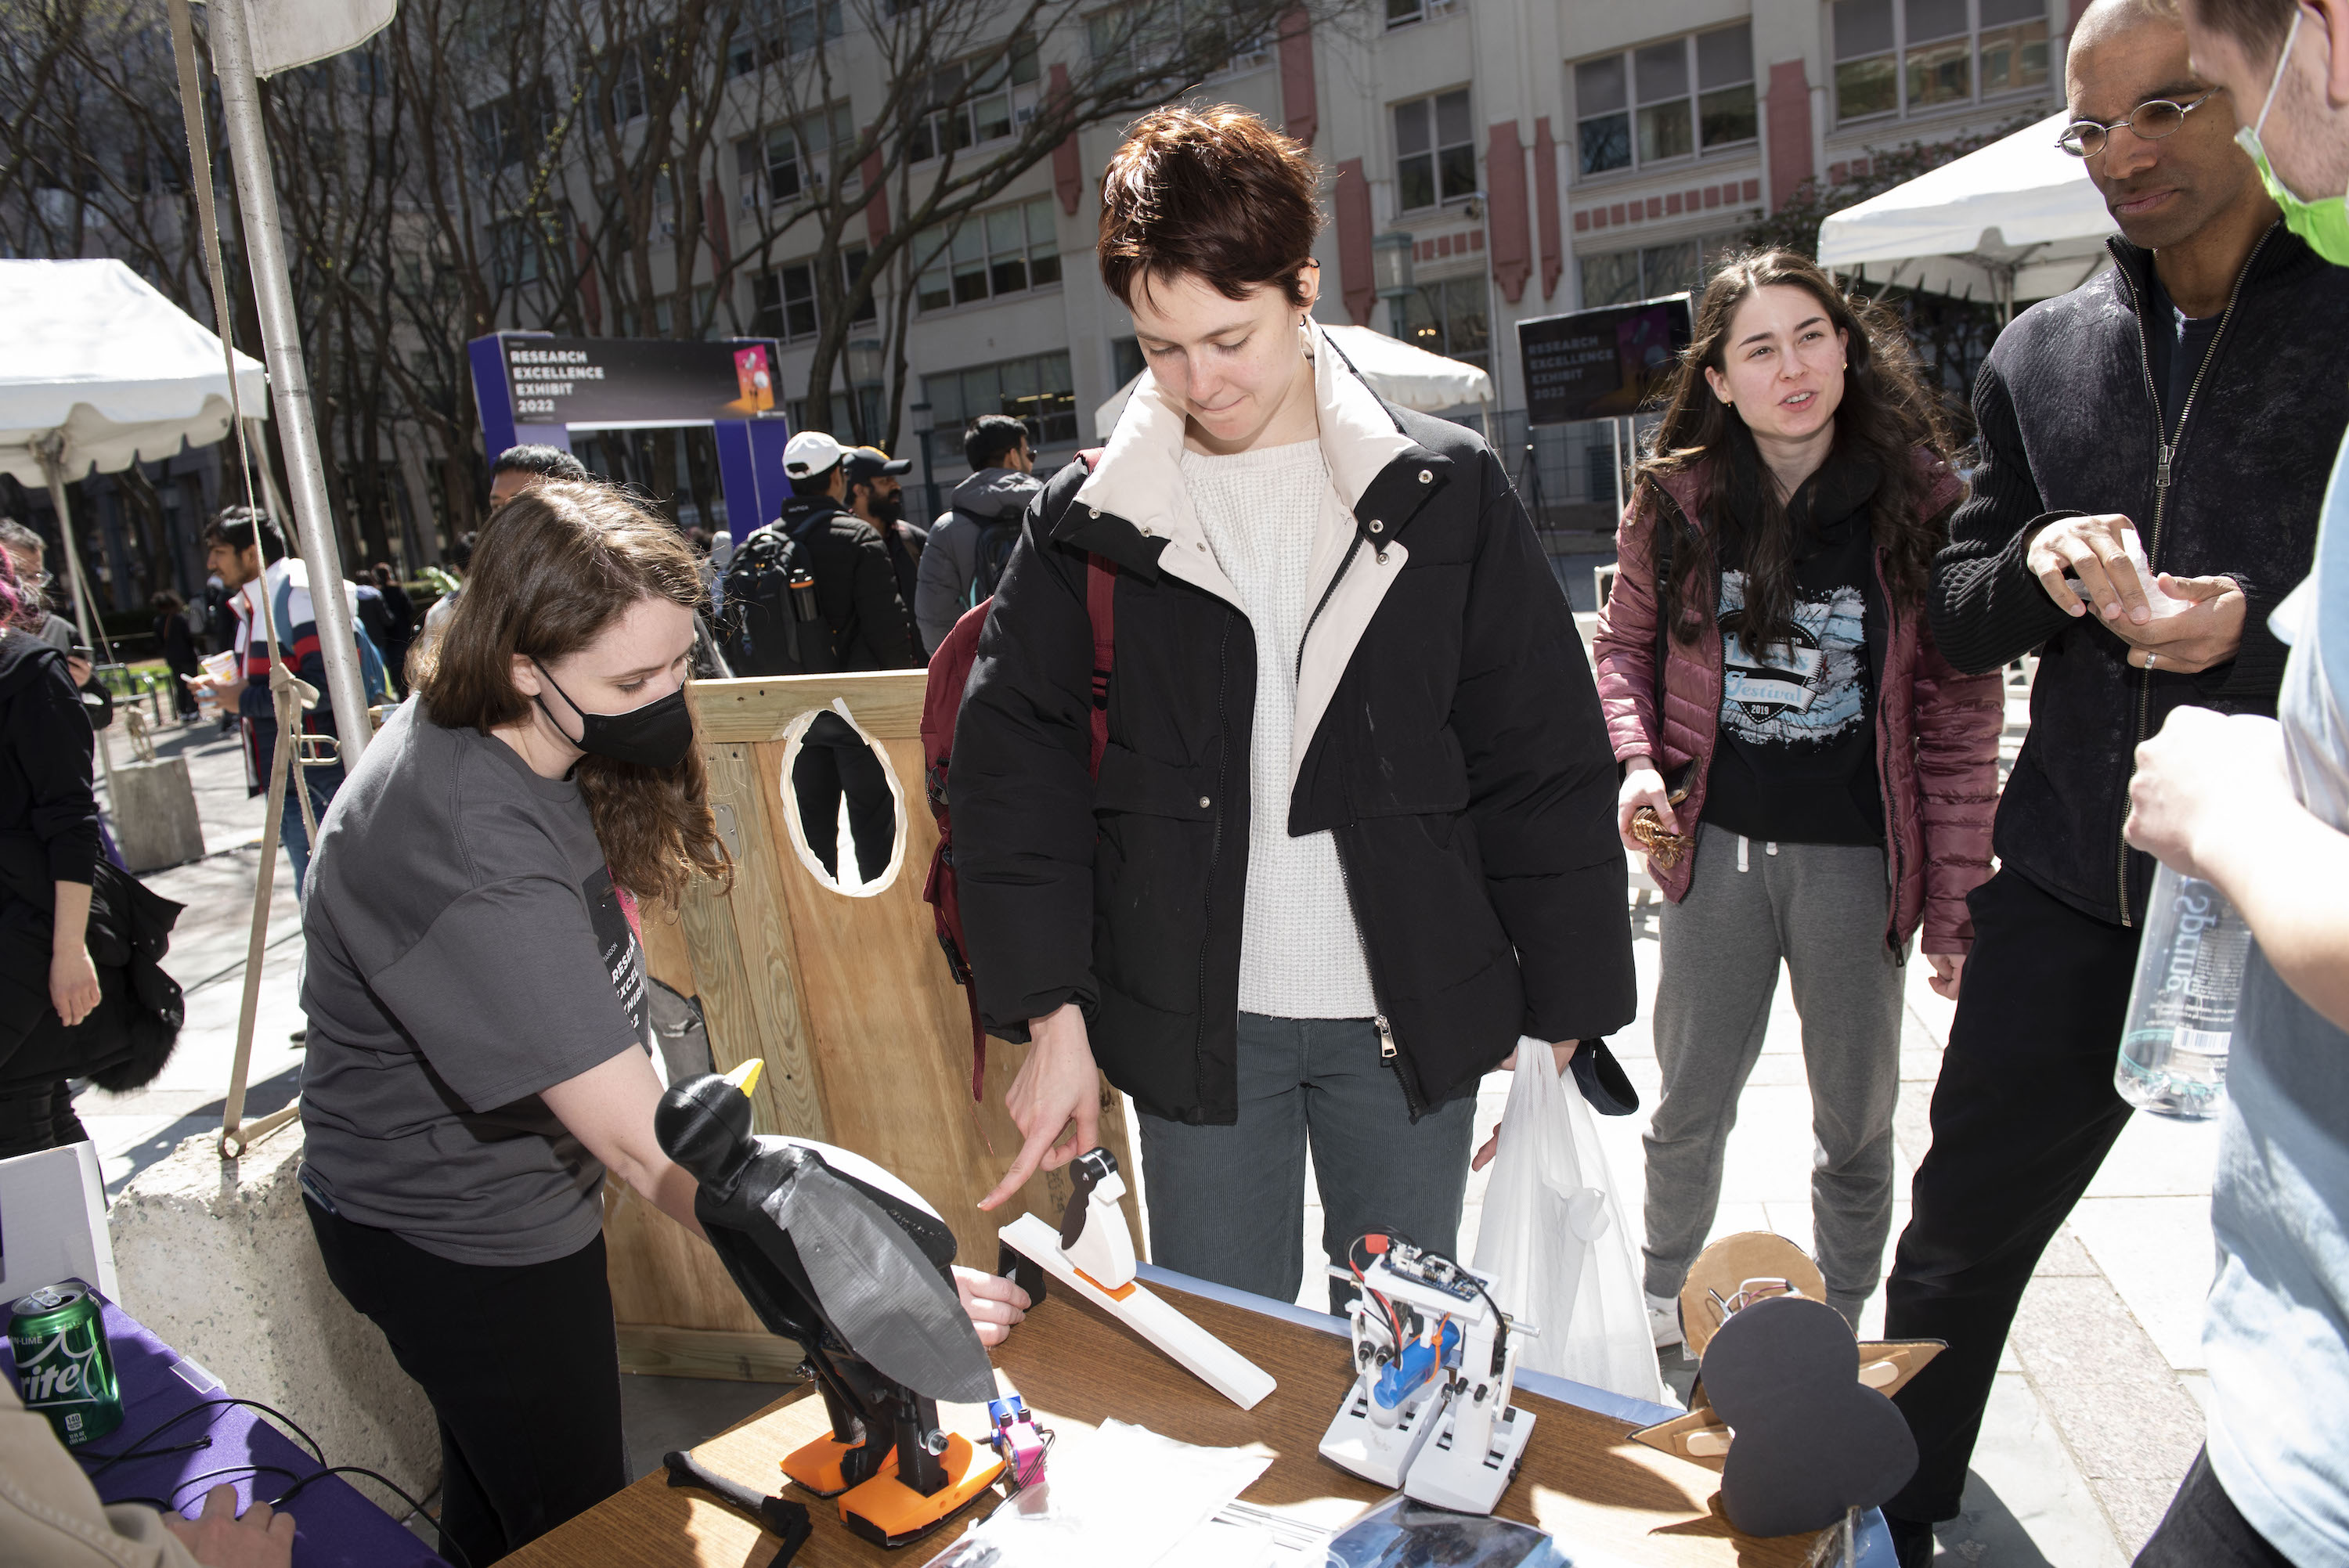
(2151,120)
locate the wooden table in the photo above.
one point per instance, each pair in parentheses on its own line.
(1583,1481)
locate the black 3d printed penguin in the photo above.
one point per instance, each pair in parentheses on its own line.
(1812,1441)
(834,1253)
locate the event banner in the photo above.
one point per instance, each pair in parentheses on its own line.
(606,382)
(1599,364)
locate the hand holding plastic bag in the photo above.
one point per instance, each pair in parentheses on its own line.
(1554,1238)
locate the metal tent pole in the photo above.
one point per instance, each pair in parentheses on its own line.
(289,378)
(50,450)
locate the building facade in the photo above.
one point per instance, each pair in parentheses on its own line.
(1542,156)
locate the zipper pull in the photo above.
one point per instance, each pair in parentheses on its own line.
(1386,1037)
(2161,473)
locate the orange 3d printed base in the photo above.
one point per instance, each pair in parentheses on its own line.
(888,1512)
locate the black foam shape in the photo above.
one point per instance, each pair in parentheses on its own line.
(1810,1439)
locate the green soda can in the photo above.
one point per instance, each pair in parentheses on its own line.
(64,1368)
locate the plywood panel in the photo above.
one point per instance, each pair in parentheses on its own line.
(891,1031)
(668,958)
(887,703)
(743,956)
(662,1274)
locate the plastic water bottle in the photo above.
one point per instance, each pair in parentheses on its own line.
(2181,1010)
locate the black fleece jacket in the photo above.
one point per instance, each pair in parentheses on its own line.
(1462,765)
(2069,428)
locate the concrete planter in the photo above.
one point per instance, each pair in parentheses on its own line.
(218,1260)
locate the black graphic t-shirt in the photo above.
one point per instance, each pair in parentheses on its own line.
(1794,761)
(467,951)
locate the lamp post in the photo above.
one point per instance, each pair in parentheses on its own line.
(1390,270)
(922,426)
(865,373)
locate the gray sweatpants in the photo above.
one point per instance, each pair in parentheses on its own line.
(1822,909)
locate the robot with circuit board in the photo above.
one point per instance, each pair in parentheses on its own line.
(1436,1362)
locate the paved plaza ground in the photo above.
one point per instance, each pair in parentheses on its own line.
(2097,1413)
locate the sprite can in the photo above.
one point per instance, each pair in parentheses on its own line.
(64,1368)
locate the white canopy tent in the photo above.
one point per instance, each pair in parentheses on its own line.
(1396,370)
(2016,221)
(99,370)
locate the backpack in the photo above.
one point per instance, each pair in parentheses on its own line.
(772,624)
(372,674)
(941,703)
(988,558)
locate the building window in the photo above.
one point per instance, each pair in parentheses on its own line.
(785,162)
(1156,34)
(959,112)
(1648,271)
(1895,56)
(1003,251)
(1435,152)
(507,130)
(1449,318)
(1037,390)
(781,29)
(514,247)
(784,298)
(1403,13)
(1666,101)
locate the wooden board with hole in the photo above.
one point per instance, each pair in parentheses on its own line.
(867,1038)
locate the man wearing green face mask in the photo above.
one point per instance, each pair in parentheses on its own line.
(2182,406)
(2261,810)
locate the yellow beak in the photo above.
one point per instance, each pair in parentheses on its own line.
(746,1077)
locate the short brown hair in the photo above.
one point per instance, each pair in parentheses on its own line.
(2258,27)
(1215,193)
(567,559)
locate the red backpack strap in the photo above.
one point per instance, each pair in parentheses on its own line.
(1101,608)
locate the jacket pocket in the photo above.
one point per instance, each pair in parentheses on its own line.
(1427,776)
(1151,870)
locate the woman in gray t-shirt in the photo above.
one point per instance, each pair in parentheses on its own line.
(476,997)
(476,994)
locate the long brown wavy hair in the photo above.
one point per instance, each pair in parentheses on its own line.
(560,563)
(1885,415)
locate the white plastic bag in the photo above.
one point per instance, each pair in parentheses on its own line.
(1554,1238)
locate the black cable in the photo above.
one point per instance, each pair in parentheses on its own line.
(255,1471)
(415,1507)
(131,1450)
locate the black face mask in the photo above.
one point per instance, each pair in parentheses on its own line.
(657,735)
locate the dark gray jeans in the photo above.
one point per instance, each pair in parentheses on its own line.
(1227,1203)
(1822,909)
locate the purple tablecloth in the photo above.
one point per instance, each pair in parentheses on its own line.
(335,1526)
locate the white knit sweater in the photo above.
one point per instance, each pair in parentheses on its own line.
(1300,950)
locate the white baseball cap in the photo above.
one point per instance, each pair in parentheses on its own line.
(809,453)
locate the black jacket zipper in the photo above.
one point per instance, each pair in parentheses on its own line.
(2167,451)
(1215,853)
(1378,1019)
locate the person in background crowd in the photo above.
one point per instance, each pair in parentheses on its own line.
(26,552)
(178,641)
(2262,812)
(220,622)
(713,572)
(2183,398)
(1335,864)
(1836,776)
(399,625)
(877,494)
(244,546)
(972,538)
(480,1042)
(517,469)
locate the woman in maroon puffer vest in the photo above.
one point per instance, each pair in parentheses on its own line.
(1833,776)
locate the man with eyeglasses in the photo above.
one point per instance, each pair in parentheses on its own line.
(2182,403)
